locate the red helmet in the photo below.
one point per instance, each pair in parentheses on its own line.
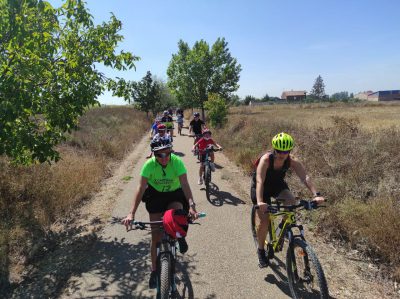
(206,131)
(175,223)
(161,127)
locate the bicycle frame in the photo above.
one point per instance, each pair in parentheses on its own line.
(290,222)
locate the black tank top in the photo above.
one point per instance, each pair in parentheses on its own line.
(275,176)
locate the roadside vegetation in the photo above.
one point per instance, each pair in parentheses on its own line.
(33,197)
(352,153)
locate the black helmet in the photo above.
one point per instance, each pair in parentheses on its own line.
(196,114)
(160,144)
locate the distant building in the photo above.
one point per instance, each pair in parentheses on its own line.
(293,95)
(363,95)
(385,95)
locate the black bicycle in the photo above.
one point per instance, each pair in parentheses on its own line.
(166,257)
(208,168)
(305,275)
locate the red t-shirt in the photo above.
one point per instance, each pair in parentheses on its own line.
(202,143)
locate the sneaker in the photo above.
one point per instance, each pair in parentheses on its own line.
(153,280)
(200,182)
(262,258)
(212,166)
(183,246)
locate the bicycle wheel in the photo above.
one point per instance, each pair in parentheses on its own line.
(164,282)
(305,275)
(207,179)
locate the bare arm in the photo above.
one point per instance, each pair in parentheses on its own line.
(188,194)
(304,178)
(260,178)
(136,200)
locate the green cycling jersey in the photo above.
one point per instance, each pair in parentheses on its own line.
(164,179)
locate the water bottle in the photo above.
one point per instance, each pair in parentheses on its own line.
(202,215)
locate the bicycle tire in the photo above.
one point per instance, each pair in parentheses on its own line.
(165,277)
(207,179)
(300,287)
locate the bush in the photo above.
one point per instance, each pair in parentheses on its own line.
(217,110)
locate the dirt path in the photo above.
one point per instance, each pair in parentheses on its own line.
(220,263)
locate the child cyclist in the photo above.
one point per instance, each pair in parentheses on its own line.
(202,144)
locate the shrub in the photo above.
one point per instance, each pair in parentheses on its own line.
(217,110)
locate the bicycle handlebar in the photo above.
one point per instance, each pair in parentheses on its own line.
(305,204)
(143,224)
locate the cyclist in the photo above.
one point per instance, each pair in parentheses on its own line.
(196,126)
(154,129)
(270,174)
(179,120)
(202,144)
(168,122)
(163,186)
(161,135)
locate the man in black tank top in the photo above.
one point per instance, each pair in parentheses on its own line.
(269,182)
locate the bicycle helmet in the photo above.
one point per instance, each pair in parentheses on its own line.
(175,223)
(160,144)
(196,114)
(283,142)
(161,127)
(165,112)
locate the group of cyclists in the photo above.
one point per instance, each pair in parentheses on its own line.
(164,183)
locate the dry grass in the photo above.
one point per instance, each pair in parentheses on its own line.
(32,198)
(351,152)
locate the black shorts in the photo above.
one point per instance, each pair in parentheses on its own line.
(271,191)
(157,202)
(202,158)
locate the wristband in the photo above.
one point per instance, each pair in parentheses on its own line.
(317,194)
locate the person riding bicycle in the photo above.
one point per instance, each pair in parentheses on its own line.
(154,127)
(270,174)
(196,126)
(163,186)
(179,119)
(202,144)
(168,122)
(161,135)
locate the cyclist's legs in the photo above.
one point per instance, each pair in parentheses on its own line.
(156,235)
(287,198)
(263,225)
(212,156)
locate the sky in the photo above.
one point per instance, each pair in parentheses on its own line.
(281,44)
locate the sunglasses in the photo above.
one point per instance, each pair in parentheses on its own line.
(282,152)
(162,155)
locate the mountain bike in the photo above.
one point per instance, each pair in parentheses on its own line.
(305,275)
(208,169)
(166,258)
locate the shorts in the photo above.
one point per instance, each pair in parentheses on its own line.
(270,191)
(157,202)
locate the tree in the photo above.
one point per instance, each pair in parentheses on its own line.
(318,90)
(343,95)
(147,94)
(194,73)
(265,98)
(47,73)
(217,110)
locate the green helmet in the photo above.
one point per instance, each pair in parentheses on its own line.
(283,142)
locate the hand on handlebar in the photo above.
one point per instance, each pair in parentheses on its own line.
(128,221)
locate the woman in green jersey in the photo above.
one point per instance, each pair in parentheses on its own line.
(163,186)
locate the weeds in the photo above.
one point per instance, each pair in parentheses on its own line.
(32,198)
(350,151)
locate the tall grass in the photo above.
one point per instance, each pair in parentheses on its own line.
(32,198)
(351,152)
